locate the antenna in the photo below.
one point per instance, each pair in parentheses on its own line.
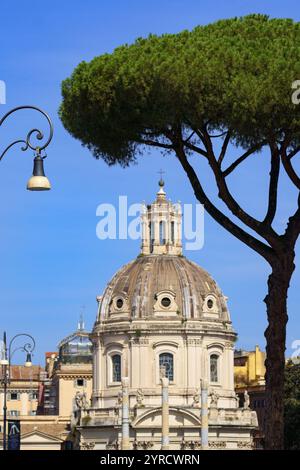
(81,321)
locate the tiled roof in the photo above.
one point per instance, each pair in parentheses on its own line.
(50,354)
(25,373)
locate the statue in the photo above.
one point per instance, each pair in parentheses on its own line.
(120,398)
(183,444)
(118,403)
(162,372)
(81,401)
(78,401)
(113,445)
(237,399)
(144,445)
(85,403)
(246,400)
(196,398)
(214,397)
(139,398)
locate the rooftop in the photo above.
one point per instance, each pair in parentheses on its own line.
(20,372)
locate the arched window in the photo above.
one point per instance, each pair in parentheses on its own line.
(162,238)
(166,362)
(214,358)
(151,235)
(116,368)
(172,232)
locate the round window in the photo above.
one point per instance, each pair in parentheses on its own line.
(210,303)
(166,302)
(119,303)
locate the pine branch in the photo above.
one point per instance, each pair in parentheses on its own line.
(260,247)
(286,162)
(154,143)
(224,148)
(273,186)
(243,157)
(293,228)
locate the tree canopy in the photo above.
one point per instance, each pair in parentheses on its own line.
(234,74)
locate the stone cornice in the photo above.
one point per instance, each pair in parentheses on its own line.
(74,375)
(164,328)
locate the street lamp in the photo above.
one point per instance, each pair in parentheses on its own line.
(5,362)
(38,181)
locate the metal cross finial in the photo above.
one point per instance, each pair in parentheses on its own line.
(161,172)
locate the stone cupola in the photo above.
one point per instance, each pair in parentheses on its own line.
(161,226)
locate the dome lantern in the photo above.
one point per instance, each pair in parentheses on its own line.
(161,226)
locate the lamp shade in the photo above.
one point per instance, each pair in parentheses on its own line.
(28,362)
(38,180)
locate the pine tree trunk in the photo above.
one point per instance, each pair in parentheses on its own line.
(276,301)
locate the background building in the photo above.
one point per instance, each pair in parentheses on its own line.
(249,374)
(43,399)
(23,391)
(72,372)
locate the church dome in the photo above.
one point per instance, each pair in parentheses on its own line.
(162,286)
(77,347)
(161,282)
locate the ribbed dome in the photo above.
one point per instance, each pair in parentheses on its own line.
(162,285)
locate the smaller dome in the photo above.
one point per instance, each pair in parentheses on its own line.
(76,348)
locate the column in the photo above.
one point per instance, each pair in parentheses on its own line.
(125,414)
(155,221)
(96,373)
(165,413)
(166,219)
(204,415)
(178,228)
(145,231)
(230,367)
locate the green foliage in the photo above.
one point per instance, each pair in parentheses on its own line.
(235,73)
(292,406)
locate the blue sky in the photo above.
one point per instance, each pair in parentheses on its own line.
(51,261)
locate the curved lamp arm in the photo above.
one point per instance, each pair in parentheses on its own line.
(28,347)
(38,134)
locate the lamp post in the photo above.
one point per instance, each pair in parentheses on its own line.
(5,362)
(38,180)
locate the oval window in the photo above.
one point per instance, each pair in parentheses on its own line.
(210,303)
(166,302)
(119,303)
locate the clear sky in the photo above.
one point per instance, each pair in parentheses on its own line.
(51,260)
